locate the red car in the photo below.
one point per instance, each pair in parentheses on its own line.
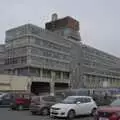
(20,101)
(111,112)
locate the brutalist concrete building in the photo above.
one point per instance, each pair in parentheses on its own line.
(58,57)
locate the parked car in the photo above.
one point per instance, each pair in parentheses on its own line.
(20,101)
(111,112)
(102,100)
(42,104)
(5,99)
(73,106)
(116,96)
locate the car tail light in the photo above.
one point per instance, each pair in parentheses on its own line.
(113,116)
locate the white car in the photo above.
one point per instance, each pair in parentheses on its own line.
(73,106)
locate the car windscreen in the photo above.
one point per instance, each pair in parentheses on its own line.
(115,103)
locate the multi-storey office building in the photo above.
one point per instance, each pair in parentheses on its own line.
(100,68)
(55,56)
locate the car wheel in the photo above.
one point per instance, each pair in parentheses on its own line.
(71,115)
(45,111)
(20,107)
(93,112)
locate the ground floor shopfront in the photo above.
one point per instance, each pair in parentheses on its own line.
(32,84)
(45,84)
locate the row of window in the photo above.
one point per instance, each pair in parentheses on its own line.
(49,62)
(16,52)
(44,73)
(12,34)
(16,43)
(46,53)
(98,70)
(100,59)
(48,44)
(93,54)
(16,60)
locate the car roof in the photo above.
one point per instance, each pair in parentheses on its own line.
(80,96)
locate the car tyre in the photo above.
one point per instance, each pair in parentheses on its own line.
(33,113)
(93,112)
(45,111)
(71,115)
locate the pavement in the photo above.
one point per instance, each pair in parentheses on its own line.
(6,114)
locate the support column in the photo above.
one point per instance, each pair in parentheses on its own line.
(61,76)
(52,84)
(41,73)
(16,72)
(90,82)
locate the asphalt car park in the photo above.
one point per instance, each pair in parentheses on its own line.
(7,114)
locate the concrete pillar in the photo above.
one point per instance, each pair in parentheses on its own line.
(86,84)
(116,82)
(70,79)
(93,82)
(61,76)
(90,82)
(16,72)
(41,73)
(52,84)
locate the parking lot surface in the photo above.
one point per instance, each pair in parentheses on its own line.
(6,114)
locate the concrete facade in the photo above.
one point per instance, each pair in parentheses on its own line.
(58,56)
(100,68)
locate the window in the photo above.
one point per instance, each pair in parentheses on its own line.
(6,97)
(14,60)
(83,100)
(66,75)
(49,98)
(23,59)
(88,100)
(47,73)
(57,74)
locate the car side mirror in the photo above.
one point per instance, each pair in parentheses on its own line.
(78,102)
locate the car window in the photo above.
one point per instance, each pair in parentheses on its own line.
(49,98)
(88,100)
(35,99)
(7,96)
(115,103)
(26,96)
(83,100)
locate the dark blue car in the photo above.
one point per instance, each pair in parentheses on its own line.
(5,99)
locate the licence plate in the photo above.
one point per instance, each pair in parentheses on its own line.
(101,118)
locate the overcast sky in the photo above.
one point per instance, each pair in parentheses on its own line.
(99,19)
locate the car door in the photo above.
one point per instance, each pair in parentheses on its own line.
(80,110)
(87,106)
